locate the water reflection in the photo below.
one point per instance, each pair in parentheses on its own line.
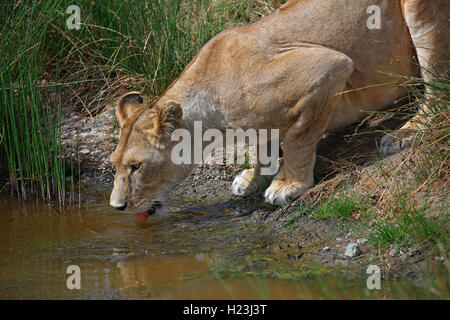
(119,258)
(188,277)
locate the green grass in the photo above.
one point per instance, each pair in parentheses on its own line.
(336,207)
(339,207)
(412,223)
(121,45)
(142,44)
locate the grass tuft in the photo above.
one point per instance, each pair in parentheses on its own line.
(340,207)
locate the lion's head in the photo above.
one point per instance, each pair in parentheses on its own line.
(144,170)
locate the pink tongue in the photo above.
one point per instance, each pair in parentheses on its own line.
(142,216)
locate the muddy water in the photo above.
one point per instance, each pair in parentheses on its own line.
(177,257)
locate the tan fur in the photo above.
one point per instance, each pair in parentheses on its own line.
(429,27)
(144,171)
(311,66)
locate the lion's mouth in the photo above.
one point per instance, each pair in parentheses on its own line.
(152,210)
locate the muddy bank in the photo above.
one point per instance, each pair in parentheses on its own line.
(295,243)
(299,244)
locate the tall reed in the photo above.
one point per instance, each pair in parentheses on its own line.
(30,145)
(143,44)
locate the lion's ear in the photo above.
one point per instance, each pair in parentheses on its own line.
(127,105)
(168,119)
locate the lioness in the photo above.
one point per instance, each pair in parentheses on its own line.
(301,70)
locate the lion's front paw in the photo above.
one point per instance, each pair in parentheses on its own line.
(391,144)
(281,192)
(247,183)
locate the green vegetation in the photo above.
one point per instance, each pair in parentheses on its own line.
(336,207)
(412,223)
(417,203)
(121,45)
(30,143)
(342,207)
(246,164)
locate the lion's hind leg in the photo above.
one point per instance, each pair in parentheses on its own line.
(429,27)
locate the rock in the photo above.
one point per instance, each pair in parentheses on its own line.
(352,250)
(362,240)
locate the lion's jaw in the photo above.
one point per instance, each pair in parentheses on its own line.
(145,172)
(146,187)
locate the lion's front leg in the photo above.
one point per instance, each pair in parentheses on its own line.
(297,172)
(249,181)
(299,154)
(316,107)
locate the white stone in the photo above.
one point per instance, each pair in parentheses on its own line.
(352,250)
(362,241)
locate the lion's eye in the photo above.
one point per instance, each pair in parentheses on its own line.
(135,167)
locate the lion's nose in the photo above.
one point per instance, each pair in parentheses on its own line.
(120,207)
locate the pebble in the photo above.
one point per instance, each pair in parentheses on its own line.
(362,241)
(352,250)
